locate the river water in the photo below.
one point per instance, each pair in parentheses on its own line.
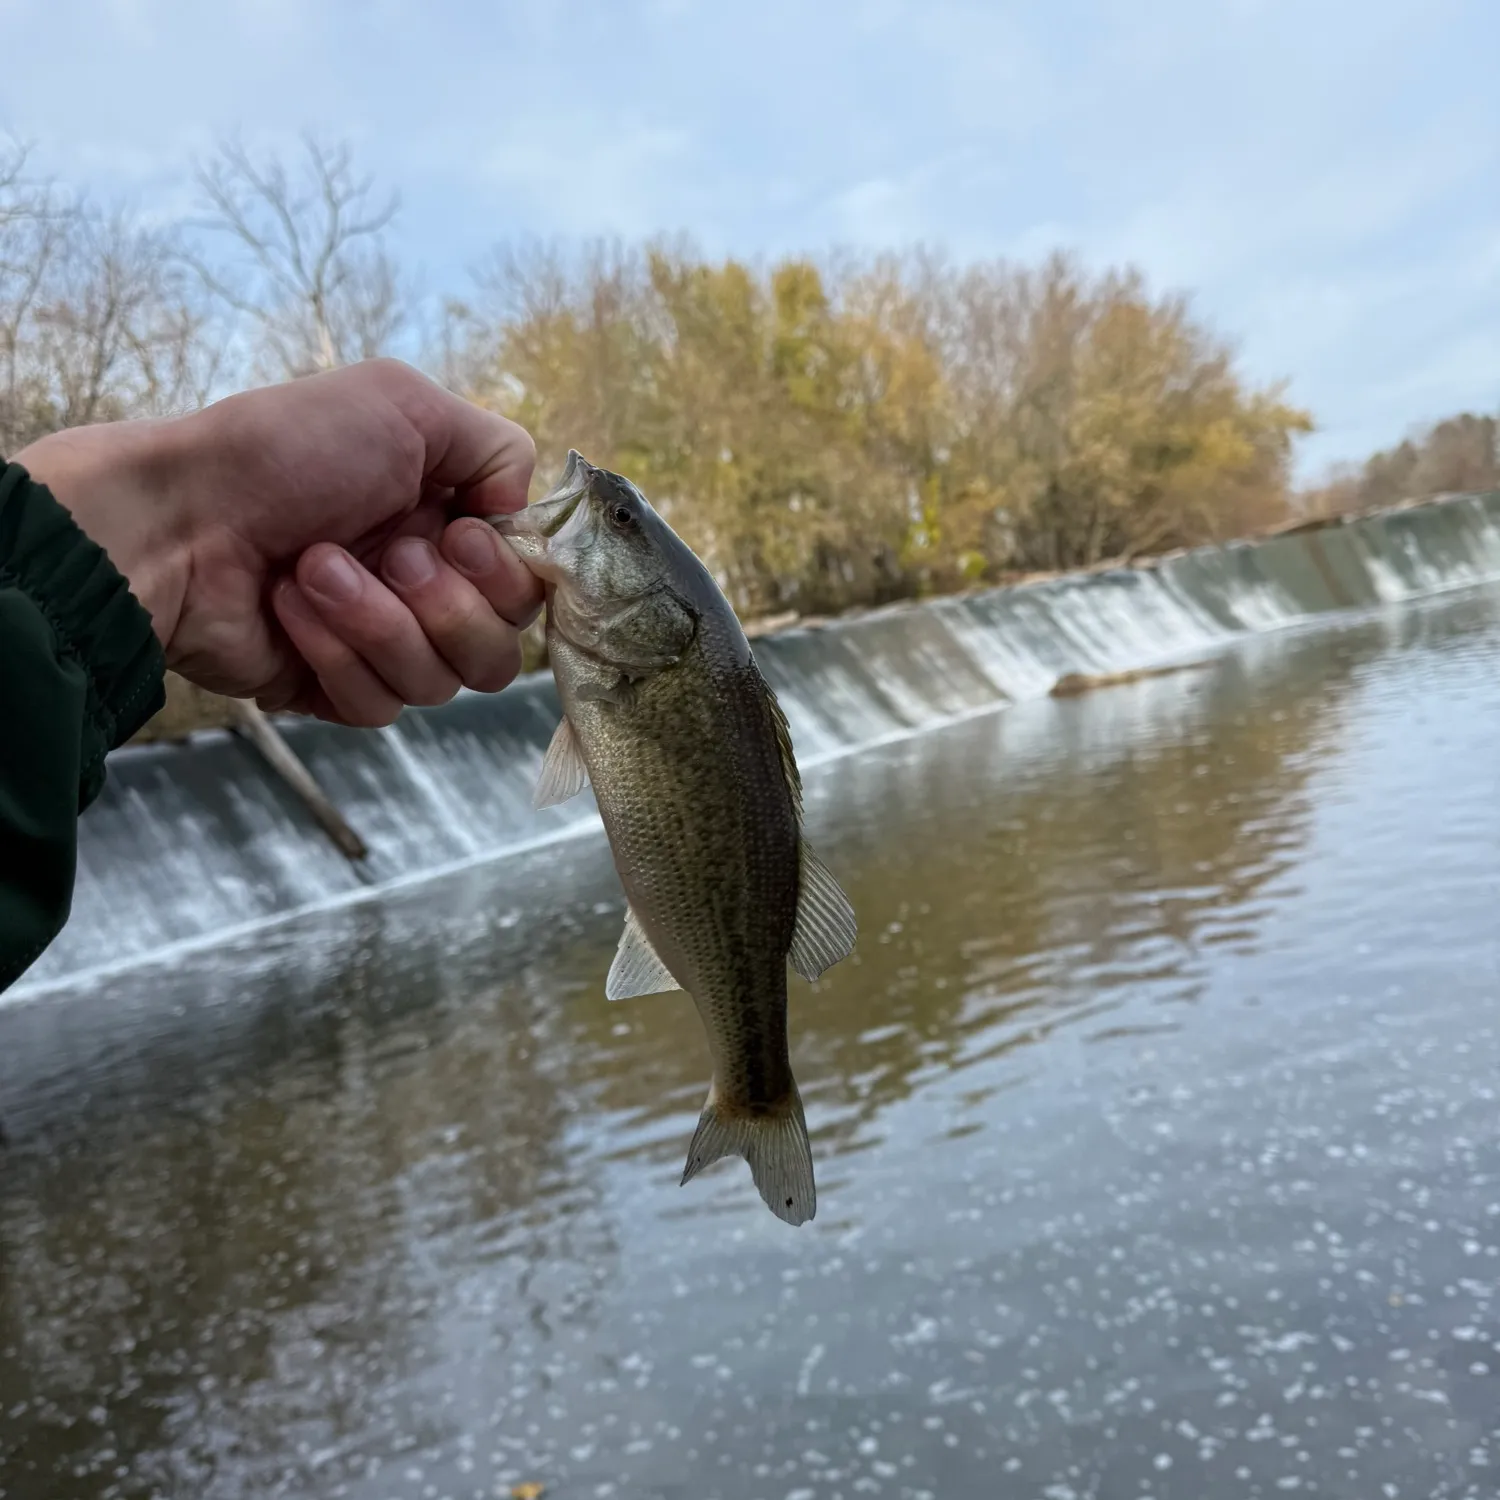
(1155,1121)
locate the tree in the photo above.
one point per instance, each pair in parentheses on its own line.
(120,331)
(31,224)
(1459,454)
(1094,421)
(309,270)
(852,431)
(98,316)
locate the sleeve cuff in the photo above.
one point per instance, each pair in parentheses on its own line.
(91,610)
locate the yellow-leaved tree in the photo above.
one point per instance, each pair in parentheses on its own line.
(848,433)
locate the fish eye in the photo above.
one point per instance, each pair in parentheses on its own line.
(621,516)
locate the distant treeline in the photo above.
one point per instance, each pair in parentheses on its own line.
(1460,454)
(825,432)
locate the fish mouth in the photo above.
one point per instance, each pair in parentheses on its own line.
(547,516)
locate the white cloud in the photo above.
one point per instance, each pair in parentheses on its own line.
(1320,173)
(591,183)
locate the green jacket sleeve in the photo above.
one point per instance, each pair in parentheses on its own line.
(80,671)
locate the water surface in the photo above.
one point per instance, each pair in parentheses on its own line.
(1155,1122)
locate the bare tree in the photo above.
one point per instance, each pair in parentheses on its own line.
(311,273)
(120,331)
(1461,453)
(31,232)
(99,317)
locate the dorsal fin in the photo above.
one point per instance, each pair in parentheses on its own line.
(783,742)
(826,928)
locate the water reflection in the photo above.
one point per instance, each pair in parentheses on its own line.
(383,1202)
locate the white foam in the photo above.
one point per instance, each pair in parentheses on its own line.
(187,847)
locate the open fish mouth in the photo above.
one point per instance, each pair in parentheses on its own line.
(547,516)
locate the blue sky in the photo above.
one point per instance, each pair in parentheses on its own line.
(1322,175)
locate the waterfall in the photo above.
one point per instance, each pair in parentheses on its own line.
(187,842)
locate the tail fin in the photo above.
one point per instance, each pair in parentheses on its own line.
(775,1145)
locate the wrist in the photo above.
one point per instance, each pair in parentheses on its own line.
(126,486)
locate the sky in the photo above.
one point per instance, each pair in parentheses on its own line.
(1322,177)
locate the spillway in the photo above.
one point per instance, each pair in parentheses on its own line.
(191,841)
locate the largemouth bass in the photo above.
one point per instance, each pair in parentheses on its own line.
(667,716)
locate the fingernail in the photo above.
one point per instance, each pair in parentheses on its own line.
(410,562)
(289,598)
(476,549)
(335,579)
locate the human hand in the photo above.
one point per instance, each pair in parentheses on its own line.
(298,544)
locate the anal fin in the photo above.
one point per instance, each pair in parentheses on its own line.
(636,969)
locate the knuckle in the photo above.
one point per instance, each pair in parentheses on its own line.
(331,657)
(370,715)
(524,615)
(514,594)
(498,668)
(460,624)
(447,613)
(434,696)
(386,367)
(387,635)
(525,445)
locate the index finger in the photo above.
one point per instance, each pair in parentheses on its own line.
(479,552)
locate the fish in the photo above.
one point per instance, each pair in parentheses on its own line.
(667,716)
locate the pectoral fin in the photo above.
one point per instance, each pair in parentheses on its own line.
(636,969)
(826,928)
(783,732)
(564,773)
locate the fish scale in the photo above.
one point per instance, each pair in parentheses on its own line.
(690,758)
